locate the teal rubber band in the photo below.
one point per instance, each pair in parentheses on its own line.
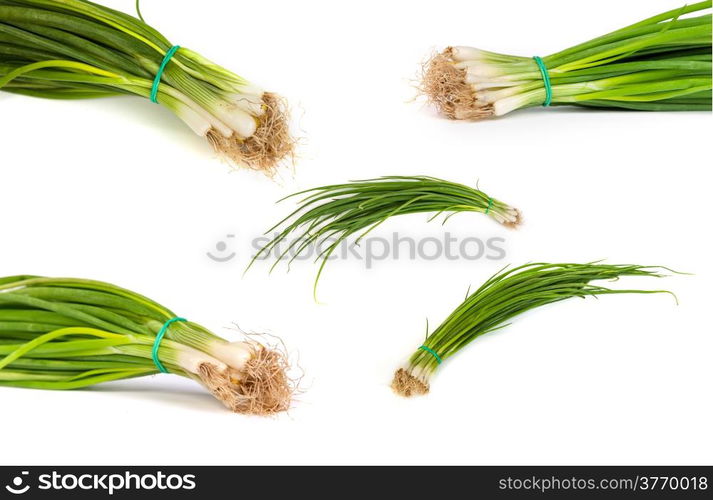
(157,343)
(490,206)
(432,353)
(546,79)
(157,81)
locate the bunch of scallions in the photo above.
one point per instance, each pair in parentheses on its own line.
(75,49)
(659,64)
(72,333)
(328,215)
(504,296)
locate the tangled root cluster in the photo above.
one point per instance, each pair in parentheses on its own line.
(263,387)
(446,88)
(270,146)
(516,221)
(406,385)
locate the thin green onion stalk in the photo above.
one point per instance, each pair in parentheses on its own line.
(662,63)
(65,333)
(329,215)
(75,49)
(504,296)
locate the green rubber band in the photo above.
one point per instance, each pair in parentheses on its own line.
(432,353)
(157,343)
(546,79)
(490,206)
(157,81)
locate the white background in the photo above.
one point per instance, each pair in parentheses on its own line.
(121,191)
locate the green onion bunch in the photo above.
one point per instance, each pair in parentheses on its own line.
(504,296)
(328,215)
(62,334)
(659,64)
(75,49)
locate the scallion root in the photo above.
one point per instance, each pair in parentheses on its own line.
(445,86)
(261,387)
(270,145)
(407,385)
